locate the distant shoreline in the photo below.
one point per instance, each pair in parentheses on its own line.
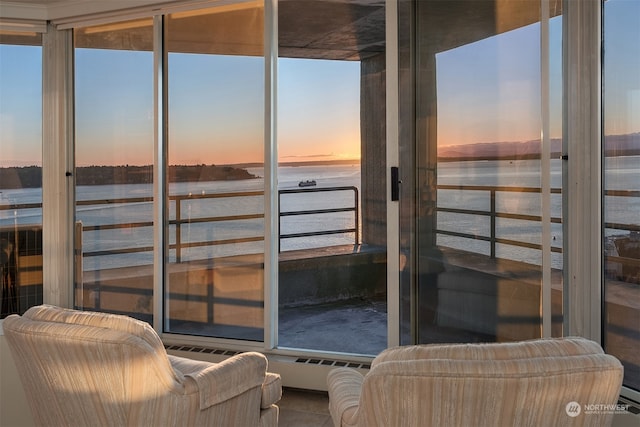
(531,156)
(17,177)
(31,176)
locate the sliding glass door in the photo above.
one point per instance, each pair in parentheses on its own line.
(481,202)
(213,229)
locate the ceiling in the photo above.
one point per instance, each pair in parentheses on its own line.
(56,9)
(320,29)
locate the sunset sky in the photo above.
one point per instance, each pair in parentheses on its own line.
(487,91)
(216,108)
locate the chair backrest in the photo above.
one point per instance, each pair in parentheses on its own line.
(81,367)
(529,383)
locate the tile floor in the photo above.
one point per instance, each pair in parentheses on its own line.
(302,408)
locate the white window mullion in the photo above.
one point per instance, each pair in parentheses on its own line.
(271,231)
(160,211)
(57,168)
(545,163)
(582,216)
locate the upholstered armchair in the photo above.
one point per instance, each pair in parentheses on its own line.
(545,382)
(87,368)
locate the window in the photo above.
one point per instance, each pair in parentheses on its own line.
(212,231)
(621,199)
(20,171)
(467,212)
(332,177)
(114,168)
(216,227)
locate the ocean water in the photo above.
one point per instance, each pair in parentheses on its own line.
(622,173)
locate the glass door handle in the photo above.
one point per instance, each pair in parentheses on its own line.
(395,184)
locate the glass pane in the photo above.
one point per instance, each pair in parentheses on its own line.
(622,185)
(215,168)
(114,168)
(332,177)
(20,172)
(474,239)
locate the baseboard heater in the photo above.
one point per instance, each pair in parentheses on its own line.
(303,360)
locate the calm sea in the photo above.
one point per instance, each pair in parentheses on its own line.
(622,173)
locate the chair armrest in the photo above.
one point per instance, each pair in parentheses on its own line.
(271,390)
(222,381)
(344,386)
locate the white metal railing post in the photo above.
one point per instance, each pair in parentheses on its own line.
(492,219)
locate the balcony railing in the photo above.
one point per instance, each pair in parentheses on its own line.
(493,214)
(305,212)
(491,236)
(180,220)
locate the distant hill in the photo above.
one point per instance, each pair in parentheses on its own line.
(302,163)
(31,176)
(615,145)
(497,150)
(622,145)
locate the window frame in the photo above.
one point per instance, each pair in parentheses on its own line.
(583,281)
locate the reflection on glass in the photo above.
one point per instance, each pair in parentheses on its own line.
(114,168)
(479,235)
(622,185)
(332,178)
(215,172)
(20,172)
